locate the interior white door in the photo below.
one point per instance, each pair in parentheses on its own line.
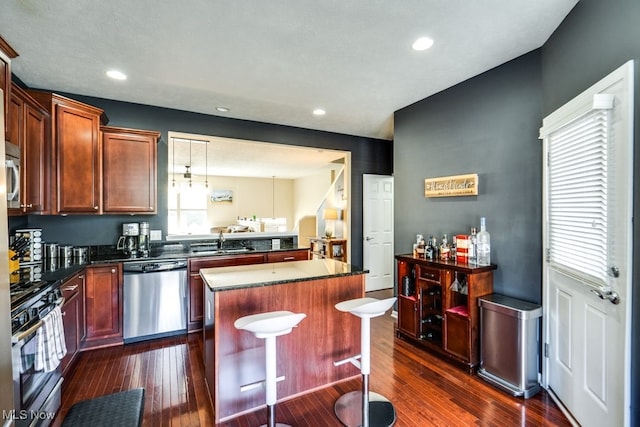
(377,224)
(587,264)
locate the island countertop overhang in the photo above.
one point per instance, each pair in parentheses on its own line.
(248,276)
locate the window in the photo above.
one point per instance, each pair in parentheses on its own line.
(188,208)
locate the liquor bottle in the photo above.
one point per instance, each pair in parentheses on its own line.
(421,247)
(428,251)
(484,244)
(445,250)
(472,249)
(454,248)
(436,248)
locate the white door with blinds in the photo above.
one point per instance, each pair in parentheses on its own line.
(587,231)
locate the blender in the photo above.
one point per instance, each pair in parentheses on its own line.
(143,240)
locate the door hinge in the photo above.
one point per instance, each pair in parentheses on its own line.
(546,349)
(548,255)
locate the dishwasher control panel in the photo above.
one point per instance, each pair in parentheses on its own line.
(151,266)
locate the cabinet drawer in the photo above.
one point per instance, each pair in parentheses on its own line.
(431,274)
(70,288)
(287,256)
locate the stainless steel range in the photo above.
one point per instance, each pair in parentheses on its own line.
(36,391)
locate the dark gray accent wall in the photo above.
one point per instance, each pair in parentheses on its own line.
(487,125)
(596,38)
(463,130)
(367,156)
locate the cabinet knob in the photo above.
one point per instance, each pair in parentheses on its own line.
(150,208)
(113,271)
(95,208)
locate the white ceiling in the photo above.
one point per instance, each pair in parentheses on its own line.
(272,61)
(209,155)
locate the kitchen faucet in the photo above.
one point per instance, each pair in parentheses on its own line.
(220,239)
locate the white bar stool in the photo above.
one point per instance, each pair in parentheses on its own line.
(364,408)
(269,326)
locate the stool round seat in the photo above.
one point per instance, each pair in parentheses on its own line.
(366,307)
(271,324)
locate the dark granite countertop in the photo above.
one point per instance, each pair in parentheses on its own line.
(61,274)
(106,258)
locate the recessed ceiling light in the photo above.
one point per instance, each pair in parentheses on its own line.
(117,75)
(423,43)
(223,109)
(319,112)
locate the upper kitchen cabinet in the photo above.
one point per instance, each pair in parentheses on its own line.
(28,127)
(76,154)
(129,170)
(6,54)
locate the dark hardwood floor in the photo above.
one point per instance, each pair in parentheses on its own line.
(425,390)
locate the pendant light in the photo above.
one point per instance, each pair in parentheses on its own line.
(185,175)
(173,168)
(206,164)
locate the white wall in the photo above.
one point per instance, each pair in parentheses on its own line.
(308,193)
(252,196)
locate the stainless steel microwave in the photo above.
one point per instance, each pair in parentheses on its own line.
(12,165)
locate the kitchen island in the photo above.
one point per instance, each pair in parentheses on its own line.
(234,358)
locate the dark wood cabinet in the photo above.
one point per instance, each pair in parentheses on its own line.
(6,54)
(29,129)
(438,305)
(284,256)
(76,154)
(129,170)
(196,285)
(103,305)
(73,319)
(15,116)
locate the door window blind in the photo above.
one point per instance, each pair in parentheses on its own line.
(577,197)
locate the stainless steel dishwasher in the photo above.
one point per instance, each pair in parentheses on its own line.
(155,299)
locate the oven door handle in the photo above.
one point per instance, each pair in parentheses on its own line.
(22,335)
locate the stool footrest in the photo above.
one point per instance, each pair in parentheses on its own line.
(257,384)
(353,360)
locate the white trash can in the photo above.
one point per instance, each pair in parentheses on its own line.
(509,344)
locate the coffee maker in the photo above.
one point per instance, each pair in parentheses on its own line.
(128,242)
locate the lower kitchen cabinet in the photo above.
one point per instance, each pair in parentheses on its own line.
(73,318)
(438,306)
(196,285)
(284,256)
(103,306)
(196,299)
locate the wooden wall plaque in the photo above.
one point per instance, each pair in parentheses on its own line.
(450,186)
